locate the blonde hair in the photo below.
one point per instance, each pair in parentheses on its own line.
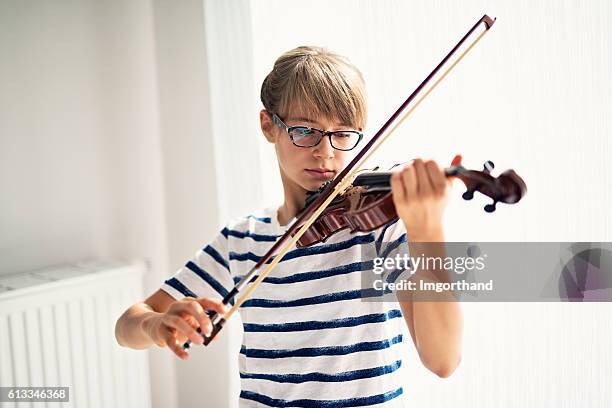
(316,82)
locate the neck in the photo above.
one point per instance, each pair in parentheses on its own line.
(295,197)
(286,212)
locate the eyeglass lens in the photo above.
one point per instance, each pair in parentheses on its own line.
(307,137)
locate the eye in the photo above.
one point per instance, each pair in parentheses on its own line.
(305,131)
(344,134)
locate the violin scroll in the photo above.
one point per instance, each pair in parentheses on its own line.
(507,188)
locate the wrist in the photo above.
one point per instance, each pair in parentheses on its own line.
(428,234)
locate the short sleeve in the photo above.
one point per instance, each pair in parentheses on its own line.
(207,274)
(391,238)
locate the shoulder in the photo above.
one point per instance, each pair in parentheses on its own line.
(256,223)
(392,231)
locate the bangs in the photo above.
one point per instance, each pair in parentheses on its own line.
(317,88)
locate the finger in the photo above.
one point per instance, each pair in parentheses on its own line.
(397,187)
(174,345)
(423,184)
(182,326)
(456,160)
(207,327)
(213,304)
(409,179)
(436,176)
(197,313)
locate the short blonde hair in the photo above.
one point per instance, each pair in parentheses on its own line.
(316,82)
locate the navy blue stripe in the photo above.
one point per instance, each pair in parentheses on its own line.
(307,276)
(216,256)
(391,246)
(208,278)
(323,377)
(266,220)
(328,324)
(322,351)
(248,234)
(310,403)
(381,237)
(327,298)
(392,277)
(313,250)
(176,284)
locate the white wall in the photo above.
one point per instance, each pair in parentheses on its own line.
(534,95)
(195,202)
(116,140)
(81,170)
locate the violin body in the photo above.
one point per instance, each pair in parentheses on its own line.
(368,203)
(359,209)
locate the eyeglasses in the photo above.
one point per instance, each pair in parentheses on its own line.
(303,136)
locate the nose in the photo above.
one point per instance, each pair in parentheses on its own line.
(324,149)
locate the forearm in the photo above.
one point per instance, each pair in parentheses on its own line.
(437,321)
(130,327)
(438,329)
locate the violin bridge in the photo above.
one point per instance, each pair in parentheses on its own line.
(345,184)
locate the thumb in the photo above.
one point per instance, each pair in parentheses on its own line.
(457,160)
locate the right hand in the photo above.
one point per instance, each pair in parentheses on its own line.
(180,322)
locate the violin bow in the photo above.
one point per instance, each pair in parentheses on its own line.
(337,186)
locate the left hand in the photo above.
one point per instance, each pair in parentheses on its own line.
(420,194)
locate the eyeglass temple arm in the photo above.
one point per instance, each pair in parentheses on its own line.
(277,121)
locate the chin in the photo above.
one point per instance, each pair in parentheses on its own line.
(310,184)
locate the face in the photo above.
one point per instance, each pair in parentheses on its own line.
(306,168)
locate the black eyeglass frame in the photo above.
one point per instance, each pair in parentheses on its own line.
(279,122)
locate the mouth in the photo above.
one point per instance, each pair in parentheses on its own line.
(320,173)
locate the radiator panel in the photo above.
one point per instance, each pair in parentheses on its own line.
(57,329)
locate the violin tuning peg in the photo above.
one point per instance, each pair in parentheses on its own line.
(468,195)
(488,167)
(490,207)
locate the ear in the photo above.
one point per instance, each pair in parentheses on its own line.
(267,126)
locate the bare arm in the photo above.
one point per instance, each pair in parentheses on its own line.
(129,329)
(435,326)
(420,193)
(166,322)
(436,329)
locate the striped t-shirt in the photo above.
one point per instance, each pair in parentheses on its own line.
(309,339)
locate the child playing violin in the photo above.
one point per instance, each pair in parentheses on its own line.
(306,327)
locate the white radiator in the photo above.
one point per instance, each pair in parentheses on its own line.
(57,329)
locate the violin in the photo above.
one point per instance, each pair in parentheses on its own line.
(368,203)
